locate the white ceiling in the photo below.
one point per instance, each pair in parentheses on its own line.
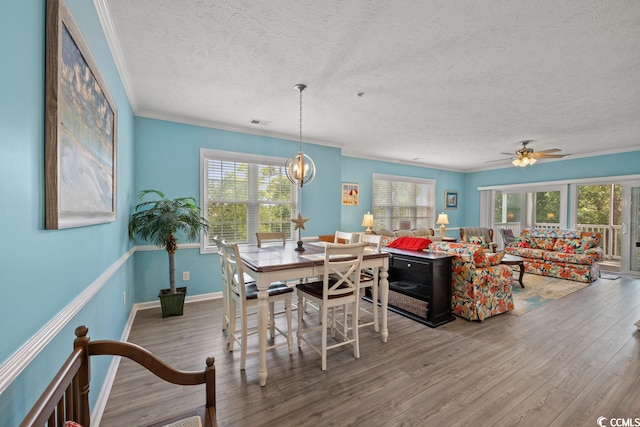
(445,84)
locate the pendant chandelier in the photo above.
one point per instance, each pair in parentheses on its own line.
(300,169)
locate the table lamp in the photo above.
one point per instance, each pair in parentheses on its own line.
(368,222)
(442,220)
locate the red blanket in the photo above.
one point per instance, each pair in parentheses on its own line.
(410,243)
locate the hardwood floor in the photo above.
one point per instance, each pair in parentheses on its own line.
(564,364)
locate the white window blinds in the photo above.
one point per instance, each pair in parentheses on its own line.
(243,194)
(402,202)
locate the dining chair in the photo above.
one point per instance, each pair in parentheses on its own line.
(245,295)
(338,287)
(369,279)
(274,237)
(225,285)
(346,237)
(264,237)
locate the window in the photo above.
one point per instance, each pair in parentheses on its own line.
(599,209)
(402,202)
(242,194)
(516,208)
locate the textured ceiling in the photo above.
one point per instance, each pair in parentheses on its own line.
(445,84)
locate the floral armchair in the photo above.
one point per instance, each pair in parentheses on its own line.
(481,286)
(482,236)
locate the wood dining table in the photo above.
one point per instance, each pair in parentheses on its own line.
(283,263)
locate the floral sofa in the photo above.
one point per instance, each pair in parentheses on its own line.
(481,285)
(566,254)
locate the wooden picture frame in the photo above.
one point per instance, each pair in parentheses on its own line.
(451,199)
(80,129)
(350,194)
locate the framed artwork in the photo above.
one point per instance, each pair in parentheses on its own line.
(451,199)
(350,194)
(81,121)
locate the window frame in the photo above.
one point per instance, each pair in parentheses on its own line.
(207,154)
(431,200)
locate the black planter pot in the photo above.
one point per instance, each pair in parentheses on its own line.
(172,304)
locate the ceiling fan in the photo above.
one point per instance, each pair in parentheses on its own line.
(526,156)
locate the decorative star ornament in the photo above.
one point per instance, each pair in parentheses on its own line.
(299,222)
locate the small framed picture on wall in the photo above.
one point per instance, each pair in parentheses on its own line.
(451,199)
(350,194)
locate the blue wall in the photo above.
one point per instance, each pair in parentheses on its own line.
(168,156)
(360,171)
(42,271)
(588,167)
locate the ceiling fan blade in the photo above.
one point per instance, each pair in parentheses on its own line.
(550,150)
(499,160)
(549,156)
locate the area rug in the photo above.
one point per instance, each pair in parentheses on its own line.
(609,276)
(541,290)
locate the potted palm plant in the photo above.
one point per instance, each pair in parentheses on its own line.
(158,221)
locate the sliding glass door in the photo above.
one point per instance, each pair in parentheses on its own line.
(630,261)
(612,209)
(543,207)
(599,209)
(608,206)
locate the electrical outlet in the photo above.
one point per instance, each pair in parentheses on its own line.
(185,276)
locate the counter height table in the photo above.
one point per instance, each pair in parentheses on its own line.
(283,263)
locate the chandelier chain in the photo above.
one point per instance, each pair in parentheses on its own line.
(300,88)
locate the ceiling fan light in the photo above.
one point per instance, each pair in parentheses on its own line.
(527,157)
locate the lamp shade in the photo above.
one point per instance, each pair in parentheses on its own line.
(367,221)
(442,219)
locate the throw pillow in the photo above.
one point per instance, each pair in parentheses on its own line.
(545,243)
(410,243)
(589,240)
(478,240)
(523,244)
(478,256)
(561,245)
(495,259)
(569,249)
(71,424)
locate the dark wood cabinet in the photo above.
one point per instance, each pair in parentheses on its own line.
(420,286)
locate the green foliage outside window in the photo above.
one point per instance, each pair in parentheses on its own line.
(596,203)
(548,207)
(244,198)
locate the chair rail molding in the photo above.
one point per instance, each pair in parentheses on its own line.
(17,362)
